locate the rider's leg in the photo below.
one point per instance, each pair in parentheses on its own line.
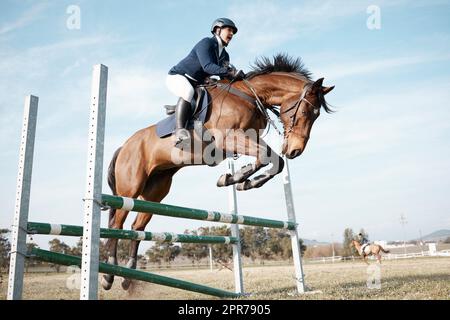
(182,113)
(181,87)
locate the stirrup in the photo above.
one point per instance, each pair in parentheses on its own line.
(183,138)
(170,109)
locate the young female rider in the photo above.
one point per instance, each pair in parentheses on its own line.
(207,58)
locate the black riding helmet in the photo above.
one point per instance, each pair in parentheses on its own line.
(222,23)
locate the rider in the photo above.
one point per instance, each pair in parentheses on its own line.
(362,240)
(207,58)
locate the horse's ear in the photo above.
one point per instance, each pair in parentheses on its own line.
(325,90)
(318,83)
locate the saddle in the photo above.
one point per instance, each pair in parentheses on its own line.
(364,246)
(199,107)
(196,102)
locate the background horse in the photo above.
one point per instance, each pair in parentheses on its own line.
(144,166)
(369,250)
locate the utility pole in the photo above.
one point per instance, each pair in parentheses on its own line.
(403,222)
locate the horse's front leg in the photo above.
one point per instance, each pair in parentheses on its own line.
(256,182)
(246,143)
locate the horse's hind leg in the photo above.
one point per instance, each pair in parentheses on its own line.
(128,188)
(379,258)
(116,222)
(157,187)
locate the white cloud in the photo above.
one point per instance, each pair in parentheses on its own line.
(137,92)
(25,19)
(372,66)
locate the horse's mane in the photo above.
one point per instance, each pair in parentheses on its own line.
(282,62)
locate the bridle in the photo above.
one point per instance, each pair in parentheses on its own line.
(296,106)
(261,107)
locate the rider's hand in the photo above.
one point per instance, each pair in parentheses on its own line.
(234,74)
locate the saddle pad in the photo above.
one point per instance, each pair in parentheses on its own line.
(167,126)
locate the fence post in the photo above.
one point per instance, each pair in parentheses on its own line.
(296,250)
(19,227)
(237,262)
(91,224)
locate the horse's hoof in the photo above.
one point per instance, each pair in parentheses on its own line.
(126,284)
(106,284)
(247,184)
(223,180)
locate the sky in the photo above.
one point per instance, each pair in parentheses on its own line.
(383,153)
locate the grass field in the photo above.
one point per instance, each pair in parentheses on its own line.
(422,278)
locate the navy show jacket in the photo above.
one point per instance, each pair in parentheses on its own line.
(203,61)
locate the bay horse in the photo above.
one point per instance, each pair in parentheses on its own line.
(369,250)
(145,164)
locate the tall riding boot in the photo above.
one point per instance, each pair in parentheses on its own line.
(182,114)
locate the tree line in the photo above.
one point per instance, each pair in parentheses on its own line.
(257,243)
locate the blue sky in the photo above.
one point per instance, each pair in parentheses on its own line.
(383,153)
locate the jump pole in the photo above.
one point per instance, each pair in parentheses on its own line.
(19,227)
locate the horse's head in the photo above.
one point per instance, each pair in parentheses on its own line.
(298,114)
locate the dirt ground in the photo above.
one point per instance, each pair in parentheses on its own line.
(421,278)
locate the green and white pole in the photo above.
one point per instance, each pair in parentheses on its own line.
(77,231)
(168,210)
(59,258)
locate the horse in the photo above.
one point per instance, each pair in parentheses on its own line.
(370,249)
(144,165)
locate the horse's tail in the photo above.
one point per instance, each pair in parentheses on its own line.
(112,183)
(385,251)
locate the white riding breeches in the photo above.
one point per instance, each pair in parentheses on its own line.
(180,86)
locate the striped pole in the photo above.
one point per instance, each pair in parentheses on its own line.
(77,231)
(129,204)
(67,260)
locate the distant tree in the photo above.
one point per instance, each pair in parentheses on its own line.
(163,251)
(5,248)
(253,240)
(447,240)
(280,245)
(222,252)
(194,251)
(348,237)
(154,255)
(78,249)
(57,245)
(31,261)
